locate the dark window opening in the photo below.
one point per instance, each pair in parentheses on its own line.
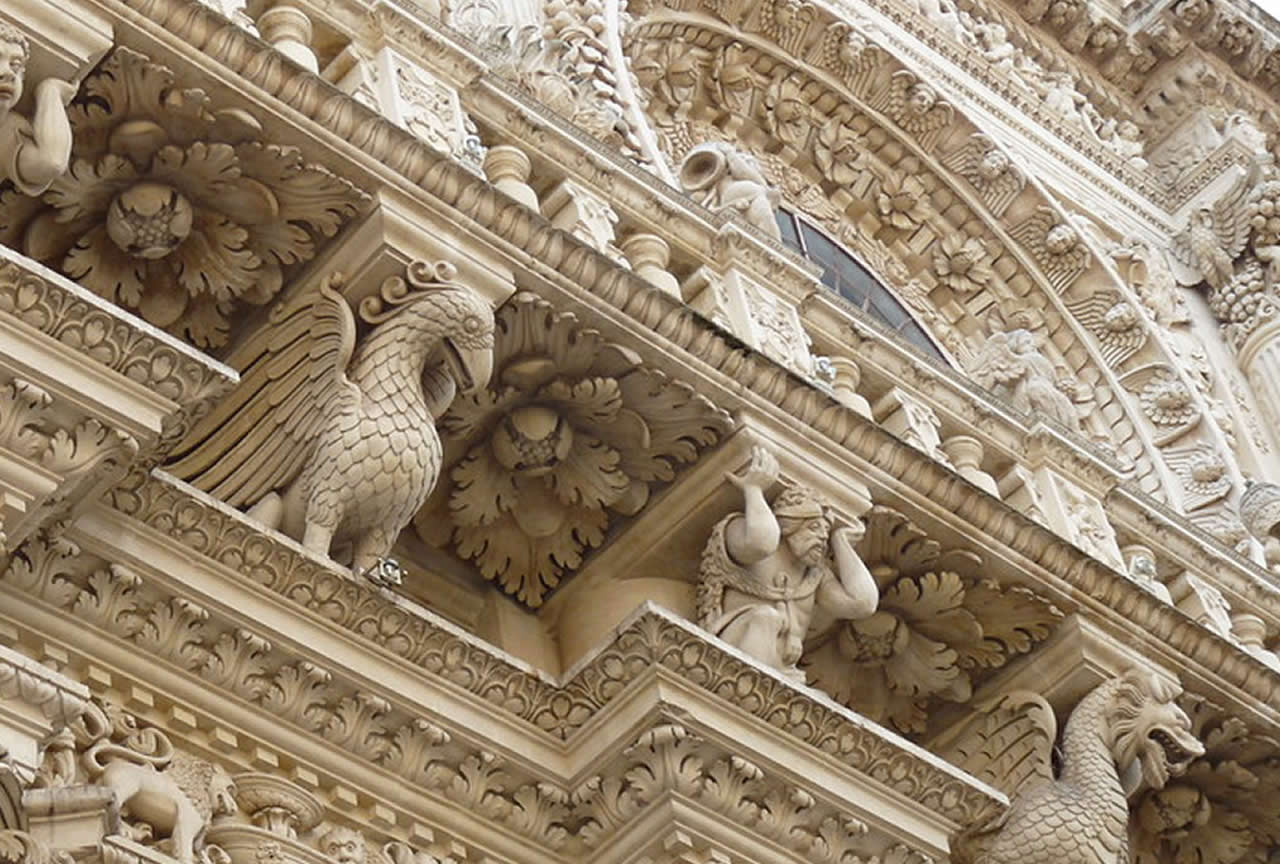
(846,276)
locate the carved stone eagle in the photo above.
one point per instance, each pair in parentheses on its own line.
(334,444)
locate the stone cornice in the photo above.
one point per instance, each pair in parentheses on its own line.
(23,680)
(586,276)
(356,706)
(109,338)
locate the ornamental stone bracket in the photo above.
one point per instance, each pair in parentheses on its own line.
(176,205)
(572,436)
(107,390)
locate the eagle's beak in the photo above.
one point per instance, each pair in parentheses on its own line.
(472,367)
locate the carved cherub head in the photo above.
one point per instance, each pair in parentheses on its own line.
(344,846)
(805,523)
(1061,239)
(14,52)
(921,99)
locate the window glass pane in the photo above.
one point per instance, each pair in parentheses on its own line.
(845,275)
(787,224)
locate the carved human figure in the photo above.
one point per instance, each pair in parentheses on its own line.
(767,578)
(35,152)
(720,178)
(1013,367)
(344,846)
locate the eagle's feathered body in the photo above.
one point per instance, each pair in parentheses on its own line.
(331,447)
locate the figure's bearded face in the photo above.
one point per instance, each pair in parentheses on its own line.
(807,538)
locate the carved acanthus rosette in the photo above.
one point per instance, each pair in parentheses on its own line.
(940,626)
(1222,810)
(174,208)
(573,431)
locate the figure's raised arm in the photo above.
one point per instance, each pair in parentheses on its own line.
(44,157)
(754,535)
(853,594)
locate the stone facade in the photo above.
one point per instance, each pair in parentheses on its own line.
(665,432)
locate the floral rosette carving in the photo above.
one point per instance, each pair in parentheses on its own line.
(903,200)
(1223,809)
(173,208)
(962,264)
(940,625)
(572,430)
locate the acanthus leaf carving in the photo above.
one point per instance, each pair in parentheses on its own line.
(163,208)
(573,430)
(940,627)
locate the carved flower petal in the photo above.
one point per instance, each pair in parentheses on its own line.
(589,475)
(529,567)
(594,401)
(923,668)
(679,421)
(85,191)
(205,321)
(1013,620)
(202,171)
(307,194)
(472,414)
(929,595)
(101,266)
(214,259)
(482,489)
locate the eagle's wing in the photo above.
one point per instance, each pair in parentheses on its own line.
(1232,214)
(292,376)
(1012,746)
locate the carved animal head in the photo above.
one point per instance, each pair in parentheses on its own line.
(1145,724)
(222,790)
(467,339)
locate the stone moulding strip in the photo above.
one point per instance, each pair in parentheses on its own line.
(216,532)
(583,274)
(651,642)
(108,335)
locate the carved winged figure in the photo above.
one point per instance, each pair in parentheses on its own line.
(1214,238)
(333,443)
(1125,732)
(1013,367)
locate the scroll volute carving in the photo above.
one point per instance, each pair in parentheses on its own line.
(942,623)
(572,432)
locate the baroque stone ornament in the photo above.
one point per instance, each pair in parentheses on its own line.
(172,207)
(1222,809)
(165,789)
(33,152)
(328,441)
(572,429)
(766,577)
(939,626)
(1013,366)
(726,181)
(1127,730)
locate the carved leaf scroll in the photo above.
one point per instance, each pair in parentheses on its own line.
(573,431)
(173,207)
(940,625)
